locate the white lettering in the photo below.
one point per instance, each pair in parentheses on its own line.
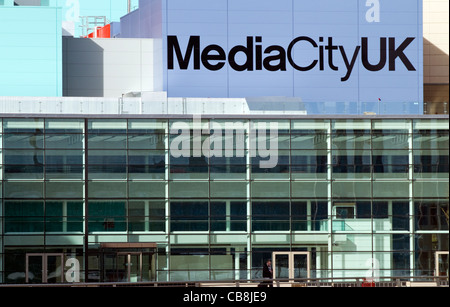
(373,14)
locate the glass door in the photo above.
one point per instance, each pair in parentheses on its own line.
(129,267)
(291,265)
(34,269)
(44,268)
(441,264)
(281,267)
(54,269)
(301,266)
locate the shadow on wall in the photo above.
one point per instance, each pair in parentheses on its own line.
(436,79)
(83,68)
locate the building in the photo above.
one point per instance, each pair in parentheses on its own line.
(195,143)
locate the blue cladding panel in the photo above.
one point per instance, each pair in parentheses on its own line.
(30,51)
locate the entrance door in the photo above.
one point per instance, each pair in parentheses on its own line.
(129,265)
(291,265)
(44,268)
(441,264)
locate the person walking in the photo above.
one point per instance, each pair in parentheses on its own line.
(268,274)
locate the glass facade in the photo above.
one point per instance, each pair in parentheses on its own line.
(352,194)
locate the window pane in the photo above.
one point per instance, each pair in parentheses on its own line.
(270,216)
(228,189)
(107,216)
(352,189)
(64,141)
(98,189)
(64,190)
(272,189)
(33,125)
(390,189)
(23,141)
(64,125)
(112,126)
(146,164)
(309,189)
(390,141)
(146,126)
(185,189)
(146,141)
(24,190)
(438,189)
(142,189)
(24,216)
(107,141)
(189,216)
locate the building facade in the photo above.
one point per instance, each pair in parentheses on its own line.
(347,195)
(197,141)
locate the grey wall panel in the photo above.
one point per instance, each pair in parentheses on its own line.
(111,67)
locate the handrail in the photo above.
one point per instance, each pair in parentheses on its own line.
(402,281)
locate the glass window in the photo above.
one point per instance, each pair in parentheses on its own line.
(390,164)
(431,215)
(24,216)
(64,157)
(391,126)
(299,216)
(146,216)
(431,164)
(283,126)
(431,139)
(189,168)
(186,189)
(280,169)
(390,189)
(226,189)
(64,141)
(99,189)
(228,216)
(143,189)
(146,164)
(107,141)
(64,172)
(23,157)
(64,216)
(351,164)
(24,190)
(305,141)
(273,189)
(309,126)
(108,126)
(23,141)
(352,189)
(400,215)
(147,126)
(107,164)
(23,125)
(309,189)
(106,216)
(64,126)
(270,216)
(23,164)
(189,216)
(351,125)
(426,246)
(228,168)
(430,124)
(64,190)
(309,164)
(438,189)
(381,140)
(146,141)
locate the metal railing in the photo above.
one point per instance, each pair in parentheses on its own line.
(391,282)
